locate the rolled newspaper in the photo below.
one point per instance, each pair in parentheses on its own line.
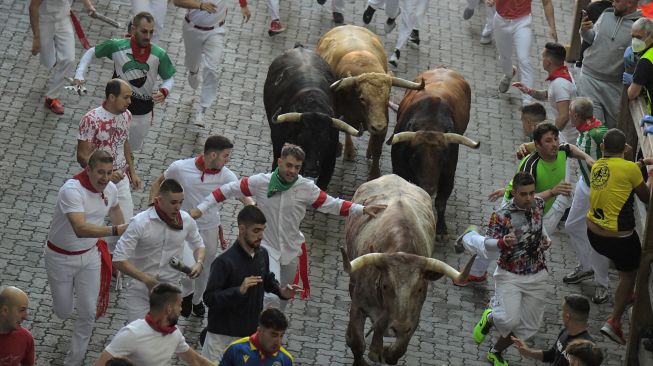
(179,265)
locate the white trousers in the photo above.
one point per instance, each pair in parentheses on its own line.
(337,6)
(58,51)
(212,249)
(75,282)
(158,9)
(285,274)
(515,35)
(519,302)
(489,14)
(391,6)
(576,227)
(215,344)
(138,129)
(204,50)
(410,18)
(138,300)
(126,206)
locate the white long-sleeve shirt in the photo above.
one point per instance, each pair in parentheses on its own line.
(148,243)
(284,211)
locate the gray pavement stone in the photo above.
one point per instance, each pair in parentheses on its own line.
(37,152)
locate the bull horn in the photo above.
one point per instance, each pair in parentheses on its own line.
(394,106)
(288,117)
(435,265)
(454,138)
(366,260)
(407,84)
(344,127)
(343,83)
(402,137)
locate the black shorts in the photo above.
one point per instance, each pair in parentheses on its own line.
(624,252)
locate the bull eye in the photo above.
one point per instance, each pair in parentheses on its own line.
(362,99)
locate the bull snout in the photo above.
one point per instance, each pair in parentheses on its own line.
(376,130)
(400,329)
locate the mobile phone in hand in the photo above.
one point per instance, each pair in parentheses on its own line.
(584,16)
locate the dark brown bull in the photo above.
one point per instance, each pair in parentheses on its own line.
(391,266)
(430,126)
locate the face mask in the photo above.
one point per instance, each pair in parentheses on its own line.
(638,45)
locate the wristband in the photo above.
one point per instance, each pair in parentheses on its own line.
(114,231)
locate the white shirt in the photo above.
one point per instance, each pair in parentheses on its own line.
(54,10)
(560,90)
(75,198)
(284,211)
(205,19)
(149,243)
(195,190)
(144,346)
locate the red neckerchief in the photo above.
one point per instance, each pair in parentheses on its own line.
(163,330)
(85,181)
(560,72)
(199,164)
(141,54)
(589,124)
(175,223)
(255,341)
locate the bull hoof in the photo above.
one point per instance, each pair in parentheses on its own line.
(376,357)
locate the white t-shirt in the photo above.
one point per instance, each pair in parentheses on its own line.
(75,198)
(560,90)
(205,19)
(195,190)
(108,132)
(144,346)
(54,10)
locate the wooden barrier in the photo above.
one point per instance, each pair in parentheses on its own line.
(573,49)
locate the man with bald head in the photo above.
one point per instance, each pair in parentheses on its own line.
(16,342)
(107,128)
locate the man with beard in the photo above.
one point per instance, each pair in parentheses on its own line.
(153,238)
(237,282)
(138,61)
(152,341)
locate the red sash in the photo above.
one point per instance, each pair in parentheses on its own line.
(302,272)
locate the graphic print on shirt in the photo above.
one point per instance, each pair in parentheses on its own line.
(108,132)
(600,176)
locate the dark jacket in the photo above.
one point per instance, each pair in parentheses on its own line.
(230,312)
(555,355)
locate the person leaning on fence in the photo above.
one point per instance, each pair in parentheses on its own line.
(642,78)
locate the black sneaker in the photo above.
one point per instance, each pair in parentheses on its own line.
(368,14)
(199,309)
(187,306)
(414,37)
(394,57)
(338,18)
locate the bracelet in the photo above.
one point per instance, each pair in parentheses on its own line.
(114,230)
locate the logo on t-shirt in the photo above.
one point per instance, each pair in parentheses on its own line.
(600,176)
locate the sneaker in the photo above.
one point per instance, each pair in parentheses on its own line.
(194,79)
(496,359)
(467,13)
(486,38)
(390,24)
(504,84)
(414,37)
(198,119)
(54,105)
(601,295)
(186,306)
(368,14)
(199,310)
(275,28)
(471,278)
(482,328)
(613,332)
(458,246)
(338,18)
(394,57)
(578,275)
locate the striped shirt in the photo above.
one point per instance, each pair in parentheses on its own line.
(590,142)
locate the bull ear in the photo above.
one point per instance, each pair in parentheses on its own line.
(432,276)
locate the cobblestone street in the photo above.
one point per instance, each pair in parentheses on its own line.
(37,150)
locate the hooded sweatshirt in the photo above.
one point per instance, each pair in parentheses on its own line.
(608,38)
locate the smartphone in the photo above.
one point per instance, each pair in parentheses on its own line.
(583,15)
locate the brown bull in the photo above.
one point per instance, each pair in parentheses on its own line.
(391,266)
(430,125)
(358,60)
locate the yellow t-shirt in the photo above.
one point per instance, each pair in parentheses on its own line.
(611,193)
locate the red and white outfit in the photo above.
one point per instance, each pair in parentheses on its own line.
(199,183)
(73,264)
(284,212)
(109,132)
(57,43)
(149,243)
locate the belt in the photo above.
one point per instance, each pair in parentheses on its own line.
(201,27)
(66,252)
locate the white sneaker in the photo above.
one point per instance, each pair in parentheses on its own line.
(391,23)
(194,79)
(198,120)
(486,38)
(394,57)
(504,84)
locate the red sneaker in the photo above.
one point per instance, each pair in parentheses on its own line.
(275,28)
(472,278)
(613,331)
(54,105)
